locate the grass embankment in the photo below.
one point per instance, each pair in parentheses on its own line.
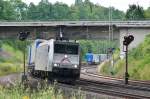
(10,58)
(44,92)
(139,63)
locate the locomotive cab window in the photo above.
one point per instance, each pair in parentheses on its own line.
(66,49)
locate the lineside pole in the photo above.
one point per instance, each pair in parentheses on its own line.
(22,37)
(126,72)
(24,61)
(126,42)
(24,76)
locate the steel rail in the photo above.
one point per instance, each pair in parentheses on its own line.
(115,78)
(86,86)
(104,88)
(141,85)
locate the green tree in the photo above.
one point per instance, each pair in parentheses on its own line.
(82,12)
(78,2)
(20,8)
(116,14)
(32,12)
(73,13)
(44,10)
(7,10)
(147,13)
(89,9)
(61,11)
(135,12)
(1,8)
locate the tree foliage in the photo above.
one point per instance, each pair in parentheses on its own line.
(7,11)
(147,13)
(135,12)
(17,10)
(44,10)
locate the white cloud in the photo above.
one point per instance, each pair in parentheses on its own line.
(119,4)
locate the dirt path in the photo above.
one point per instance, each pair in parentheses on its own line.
(10,80)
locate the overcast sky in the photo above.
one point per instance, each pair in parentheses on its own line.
(119,4)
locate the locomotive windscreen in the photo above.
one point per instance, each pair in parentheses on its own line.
(66,49)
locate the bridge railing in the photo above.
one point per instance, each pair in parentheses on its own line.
(77,23)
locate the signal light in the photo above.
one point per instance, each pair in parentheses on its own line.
(128,40)
(23,35)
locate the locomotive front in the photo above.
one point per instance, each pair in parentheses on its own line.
(66,60)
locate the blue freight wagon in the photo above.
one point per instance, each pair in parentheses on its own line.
(95,58)
(89,58)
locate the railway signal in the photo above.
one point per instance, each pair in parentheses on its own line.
(126,42)
(22,37)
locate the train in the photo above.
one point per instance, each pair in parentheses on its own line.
(95,59)
(54,59)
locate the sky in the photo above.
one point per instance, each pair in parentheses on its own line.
(118,4)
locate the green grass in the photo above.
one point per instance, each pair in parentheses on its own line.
(12,63)
(16,55)
(46,92)
(8,68)
(19,93)
(139,63)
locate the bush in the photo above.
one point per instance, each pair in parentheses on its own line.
(47,92)
(105,68)
(12,60)
(8,68)
(139,62)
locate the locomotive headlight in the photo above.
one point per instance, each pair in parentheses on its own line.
(66,56)
(75,66)
(55,65)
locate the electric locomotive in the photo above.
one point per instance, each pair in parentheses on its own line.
(55,59)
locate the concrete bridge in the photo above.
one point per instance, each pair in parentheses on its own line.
(79,29)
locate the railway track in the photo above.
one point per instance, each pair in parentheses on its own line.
(109,86)
(89,86)
(85,71)
(136,89)
(112,90)
(118,79)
